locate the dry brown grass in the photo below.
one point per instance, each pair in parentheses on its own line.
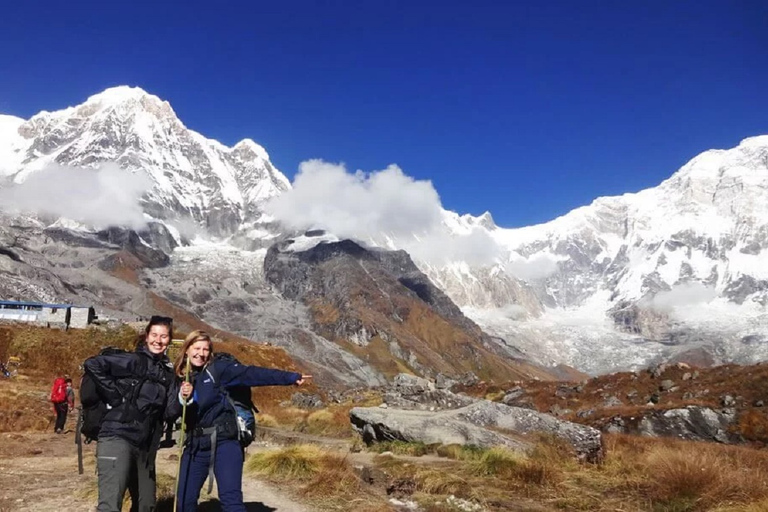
(330,421)
(638,474)
(298,462)
(24,406)
(266,420)
(50,352)
(322,477)
(700,387)
(46,353)
(706,475)
(753,425)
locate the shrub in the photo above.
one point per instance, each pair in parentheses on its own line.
(299,462)
(414,449)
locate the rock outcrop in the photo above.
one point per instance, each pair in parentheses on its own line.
(692,423)
(480,423)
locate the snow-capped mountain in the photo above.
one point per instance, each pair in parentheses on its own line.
(194,178)
(663,272)
(679,270)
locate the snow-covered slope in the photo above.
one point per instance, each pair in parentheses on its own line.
(671,271)
(658,273)
(194,178)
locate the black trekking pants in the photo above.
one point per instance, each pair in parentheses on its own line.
(61,415)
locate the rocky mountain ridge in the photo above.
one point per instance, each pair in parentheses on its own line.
(194,179)
(672,272)
(676,271)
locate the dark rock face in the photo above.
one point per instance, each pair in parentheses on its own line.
(74,239)
(10,254)
(379,301)
(290,273)
(692,423)
(158,236)
(737,291)
(132,242)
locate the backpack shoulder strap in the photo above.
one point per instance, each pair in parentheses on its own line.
(142,377)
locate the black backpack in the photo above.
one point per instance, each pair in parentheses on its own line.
(239,398)
(93,408)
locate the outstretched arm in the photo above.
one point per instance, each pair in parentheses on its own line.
(235,374)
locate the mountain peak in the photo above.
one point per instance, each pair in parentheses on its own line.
(120,94)
(250,145)
(126,97)
(758,140)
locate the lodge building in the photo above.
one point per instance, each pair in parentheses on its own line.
(48,315)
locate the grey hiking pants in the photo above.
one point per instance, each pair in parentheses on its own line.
(122,466)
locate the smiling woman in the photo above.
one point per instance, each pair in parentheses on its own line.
(214,420)
(159,335)
(140,391)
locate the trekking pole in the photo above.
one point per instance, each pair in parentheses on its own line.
(181,439)
(79,440)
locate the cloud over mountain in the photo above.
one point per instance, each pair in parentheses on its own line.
(405,211)
(102,196)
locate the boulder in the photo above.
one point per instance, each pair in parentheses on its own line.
(693,423)
(443,382)
(433,400)
(376,424)
(666,385)
(512,395)
(306,401)
(658,370)
(406,383)
(478,424)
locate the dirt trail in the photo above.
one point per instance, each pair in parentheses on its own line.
(258,496)
(38,473)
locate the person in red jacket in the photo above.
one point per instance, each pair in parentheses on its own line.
(62,398)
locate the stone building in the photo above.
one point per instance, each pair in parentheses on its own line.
(48,315)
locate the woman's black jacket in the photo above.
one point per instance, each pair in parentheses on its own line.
(141,393)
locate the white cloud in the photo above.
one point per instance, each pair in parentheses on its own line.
(441,247)
(682,295)
(99,197)
(355,205)
(384,207)
(536,267)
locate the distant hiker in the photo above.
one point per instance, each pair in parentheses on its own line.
(70,394)
(140,393)
(213,446)
(60,400)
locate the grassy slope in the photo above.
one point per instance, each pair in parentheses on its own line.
(748,385)
(47,353)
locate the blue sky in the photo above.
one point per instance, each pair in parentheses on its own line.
(525,109)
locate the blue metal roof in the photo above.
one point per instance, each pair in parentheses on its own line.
(39,304)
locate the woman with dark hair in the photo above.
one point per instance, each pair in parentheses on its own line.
(213,446)
(140,392)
